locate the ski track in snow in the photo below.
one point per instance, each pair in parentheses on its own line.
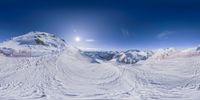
(69,75)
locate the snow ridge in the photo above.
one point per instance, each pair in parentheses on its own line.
(32,44)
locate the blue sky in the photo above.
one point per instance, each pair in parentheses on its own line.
(106,24)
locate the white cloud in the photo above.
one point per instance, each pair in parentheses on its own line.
(90,40)
(165,34)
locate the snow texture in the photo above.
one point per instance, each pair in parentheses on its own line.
(64,73)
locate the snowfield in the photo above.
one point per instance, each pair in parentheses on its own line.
(67,74)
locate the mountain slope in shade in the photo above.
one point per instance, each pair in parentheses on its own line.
(198,48)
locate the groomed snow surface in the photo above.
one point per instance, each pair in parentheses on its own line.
(68,74)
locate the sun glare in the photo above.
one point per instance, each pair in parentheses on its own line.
(77,39)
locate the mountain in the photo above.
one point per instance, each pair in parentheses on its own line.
(124,57)
(101,55)
(164,53)
(32,44)
(132,56)
(198,48)
(169,53)
(59,71)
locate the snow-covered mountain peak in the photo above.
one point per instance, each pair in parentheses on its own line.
(164,53)
(166,50)
(39,38)
(35,43)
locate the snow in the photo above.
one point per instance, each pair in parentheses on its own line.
(68,74)
(174,53)
(32,44)
(131,56)
(101,55)
(123,57)
(164,53)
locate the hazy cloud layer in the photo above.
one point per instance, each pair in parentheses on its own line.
(165,35)
(90,40)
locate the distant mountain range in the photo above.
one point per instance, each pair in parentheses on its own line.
(133,56)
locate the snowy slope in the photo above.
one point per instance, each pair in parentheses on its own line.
(68,74)
(165,53)
(175,53)
(32,44)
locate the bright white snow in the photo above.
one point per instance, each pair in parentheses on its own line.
(67,74)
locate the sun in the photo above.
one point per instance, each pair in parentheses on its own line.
(77,39)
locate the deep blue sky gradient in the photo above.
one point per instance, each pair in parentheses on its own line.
(112,24)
